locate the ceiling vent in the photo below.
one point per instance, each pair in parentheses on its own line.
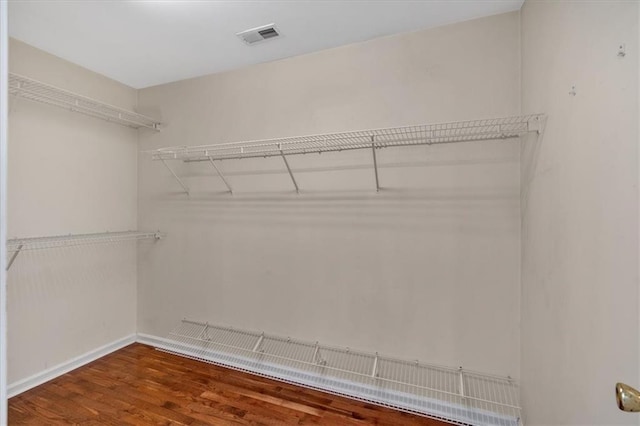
(259,34)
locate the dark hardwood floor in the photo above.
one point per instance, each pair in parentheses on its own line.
(138,385)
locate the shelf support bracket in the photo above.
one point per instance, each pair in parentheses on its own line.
(203,334)
(536,124)
(286,163)
(175,176)
(256,347)
(374,372)
(317,358)
(375,163)
(221,175)
(13,257)
(461,377)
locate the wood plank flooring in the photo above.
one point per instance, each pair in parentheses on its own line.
(138,385)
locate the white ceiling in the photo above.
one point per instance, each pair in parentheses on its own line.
(145,43)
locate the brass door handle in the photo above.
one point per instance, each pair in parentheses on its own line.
(628,398)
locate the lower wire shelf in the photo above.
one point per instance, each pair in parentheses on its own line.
(452,394)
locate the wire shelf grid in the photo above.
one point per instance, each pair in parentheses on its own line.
(453,394)
(428,134)
(34,90)
(35,243)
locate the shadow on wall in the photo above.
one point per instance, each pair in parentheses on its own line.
(369,167)
(491,164)
(52,272)
(487,209)
(479,192)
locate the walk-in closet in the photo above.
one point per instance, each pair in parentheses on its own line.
(319,212)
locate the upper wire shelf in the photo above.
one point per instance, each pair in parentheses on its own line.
(34,90)
(426,134)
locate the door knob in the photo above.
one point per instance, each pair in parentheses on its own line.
(628,398)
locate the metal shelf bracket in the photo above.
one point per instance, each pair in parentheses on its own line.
(536,124)
(317,358)
(256,348)
(375,163)
(286,163)
(186,189)
(221,175)
(13,256)
(374,372)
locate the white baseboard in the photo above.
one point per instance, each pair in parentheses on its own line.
(155,341)
(51,373)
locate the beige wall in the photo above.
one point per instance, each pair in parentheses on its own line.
(68,173)
(580,212)
(428,268)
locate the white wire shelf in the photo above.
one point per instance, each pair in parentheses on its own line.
(78,239)
(34,90)
(16,245)
(427,134)
(459,396)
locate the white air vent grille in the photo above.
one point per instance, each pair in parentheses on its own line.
(258,34)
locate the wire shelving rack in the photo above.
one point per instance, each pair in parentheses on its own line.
(16,245)
(427,134)
(453,394)
(34,90)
